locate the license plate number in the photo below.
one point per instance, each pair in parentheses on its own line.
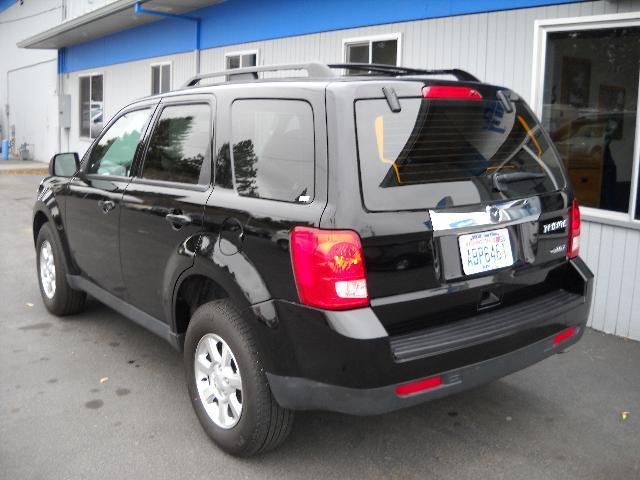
(485,251)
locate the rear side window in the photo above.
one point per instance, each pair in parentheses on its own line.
(273,149)
(442,153)
(180,145)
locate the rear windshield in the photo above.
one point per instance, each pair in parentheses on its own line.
(442,153)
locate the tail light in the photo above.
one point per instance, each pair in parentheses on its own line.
(451,92)
(329,268)
(574,230)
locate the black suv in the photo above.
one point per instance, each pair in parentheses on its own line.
(357,242)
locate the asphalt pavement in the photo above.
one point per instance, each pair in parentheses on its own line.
(95,396)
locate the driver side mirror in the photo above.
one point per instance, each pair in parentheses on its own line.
(64,164)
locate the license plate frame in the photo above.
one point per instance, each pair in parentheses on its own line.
(486,251)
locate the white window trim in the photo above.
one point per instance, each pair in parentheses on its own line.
(374,38)
(240,53)
(89,75)
(540,30)
(160,64)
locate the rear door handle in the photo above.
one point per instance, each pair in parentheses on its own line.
(177,220)
(106,205)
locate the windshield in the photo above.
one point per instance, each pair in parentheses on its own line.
(442,153)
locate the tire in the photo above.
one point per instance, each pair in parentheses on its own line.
(262,424)
(59,298)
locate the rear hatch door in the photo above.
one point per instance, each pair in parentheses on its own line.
(476,195)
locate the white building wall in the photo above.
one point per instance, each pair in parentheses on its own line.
(497,47)
(28,78)
(76,8)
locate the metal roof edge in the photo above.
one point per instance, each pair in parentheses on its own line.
(69,25)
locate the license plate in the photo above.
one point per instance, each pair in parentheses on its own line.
(485,251)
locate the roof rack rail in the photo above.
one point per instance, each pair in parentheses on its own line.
(314,69)
(321,70)
(396,71)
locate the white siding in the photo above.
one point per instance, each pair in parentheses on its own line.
(28,78)
(497,47)
(76,8)
(612,254)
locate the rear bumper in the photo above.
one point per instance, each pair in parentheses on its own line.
(345,363)
(304,394)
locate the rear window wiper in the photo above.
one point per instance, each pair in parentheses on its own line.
(499,178)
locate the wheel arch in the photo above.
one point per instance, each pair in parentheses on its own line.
(43,214)
(215,276)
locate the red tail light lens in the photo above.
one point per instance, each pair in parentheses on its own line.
(574,230)
(329,268)
(419,386)
(450,92)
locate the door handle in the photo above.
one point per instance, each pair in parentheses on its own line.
(106,205)
(178,220)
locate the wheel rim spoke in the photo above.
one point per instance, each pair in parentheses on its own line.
(226,355)
(236,408)
(223,409)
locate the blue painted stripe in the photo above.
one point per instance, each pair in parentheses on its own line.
(4,4)
(241,21)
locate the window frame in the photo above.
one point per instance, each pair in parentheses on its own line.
(595,22)
(370,39)
(90,77)
(195,99)
(315,150)
(160,65)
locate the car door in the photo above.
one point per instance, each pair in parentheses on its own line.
(162,209)
(92,208)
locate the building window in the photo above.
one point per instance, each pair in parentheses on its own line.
(91,105)
(160,78)
(589,107)
(384,50)
(241,59)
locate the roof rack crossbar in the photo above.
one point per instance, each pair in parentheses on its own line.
(314,69)
(397,71)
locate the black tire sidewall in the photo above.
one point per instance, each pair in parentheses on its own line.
(240,439)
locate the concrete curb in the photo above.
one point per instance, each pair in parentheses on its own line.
(22,171)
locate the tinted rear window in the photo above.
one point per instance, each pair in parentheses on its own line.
(441,153)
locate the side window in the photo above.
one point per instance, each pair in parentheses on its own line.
(114,152)
(179,145)
(273,149)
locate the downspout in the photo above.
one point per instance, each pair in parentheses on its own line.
(138,9)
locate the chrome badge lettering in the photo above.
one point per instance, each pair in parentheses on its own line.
(558,249)
(553,226)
